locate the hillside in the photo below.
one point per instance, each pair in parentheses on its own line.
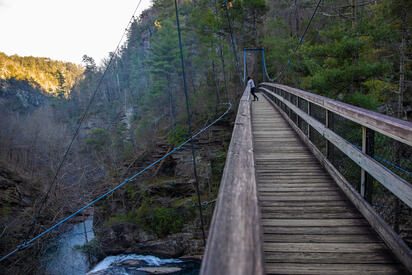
(53,77)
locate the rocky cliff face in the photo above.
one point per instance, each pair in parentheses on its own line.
(20,96)
(17,196)
(157,214)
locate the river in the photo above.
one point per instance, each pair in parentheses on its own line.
(65,258)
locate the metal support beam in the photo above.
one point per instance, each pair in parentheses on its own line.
(245,50)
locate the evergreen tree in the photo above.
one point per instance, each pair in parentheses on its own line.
(164,66)
(62,80)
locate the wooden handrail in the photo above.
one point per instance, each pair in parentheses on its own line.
(401,188)
(397,129)
(234,244)
(398,186)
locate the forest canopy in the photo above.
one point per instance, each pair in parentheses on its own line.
(53,77)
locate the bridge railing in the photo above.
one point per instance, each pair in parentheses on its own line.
(366,153)
(234,244)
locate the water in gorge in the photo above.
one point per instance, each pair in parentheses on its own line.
(64,257)
(133,264)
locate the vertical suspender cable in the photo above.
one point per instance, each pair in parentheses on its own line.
(244,67)
(190,124)
(233,43)
(299,44)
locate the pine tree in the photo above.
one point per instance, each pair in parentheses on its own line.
(164,66)
(62,81)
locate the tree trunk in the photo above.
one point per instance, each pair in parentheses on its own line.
(398,205)
(355,52)
(353,6)
(402,66)
(171,113)
(297,17)
(222,59)
(216,82)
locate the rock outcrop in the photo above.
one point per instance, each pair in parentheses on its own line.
(120,223)
(16,201)
(20,96)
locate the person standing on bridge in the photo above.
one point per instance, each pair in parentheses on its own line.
(251,84)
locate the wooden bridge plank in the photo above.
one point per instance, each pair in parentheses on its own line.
(333,269)
(294,183)
(289,238)
(312,222)
(265,169)
(309,209)
(324,247)
(304,198)
(330,258)
(275,193)
(317,230)
(276,214)
(288,188)
(294,179)
(309,225)
(304,203)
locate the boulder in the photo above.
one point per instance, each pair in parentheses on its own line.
(129,262)
(184,165)
(160,269)
(171,248)
(118,237)
(192,257)
(171,188)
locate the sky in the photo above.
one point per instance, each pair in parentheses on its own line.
(64,29)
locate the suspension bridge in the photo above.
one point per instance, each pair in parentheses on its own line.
(283,206)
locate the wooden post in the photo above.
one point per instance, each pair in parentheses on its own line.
(368,147)
(289,110)
(398,206)
(329,145)
(309,113)
(297,117)
(370,150)
(363,172)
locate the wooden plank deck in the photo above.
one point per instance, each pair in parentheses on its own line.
(309,225)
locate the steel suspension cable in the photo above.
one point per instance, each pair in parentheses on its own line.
(190,124)
(233,43)
(26,244)
(44,200)
(297,47)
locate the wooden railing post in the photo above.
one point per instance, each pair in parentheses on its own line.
(329,145)
(368,147)
(310,114)
(297,117)
(289,110)
(370,150)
